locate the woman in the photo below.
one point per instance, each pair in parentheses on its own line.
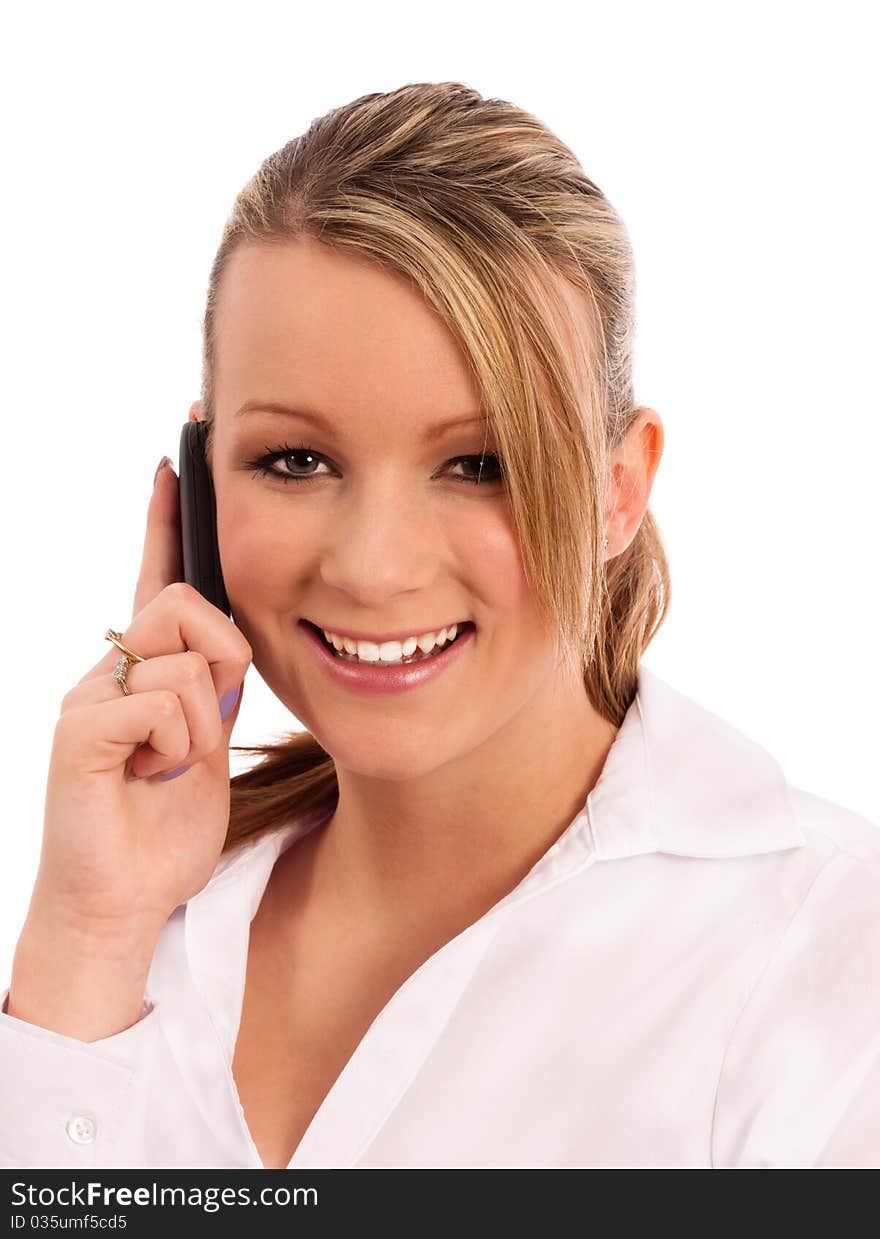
(542,909)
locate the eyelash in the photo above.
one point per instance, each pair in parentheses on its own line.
(263,465)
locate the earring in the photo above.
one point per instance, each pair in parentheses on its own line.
(605,545)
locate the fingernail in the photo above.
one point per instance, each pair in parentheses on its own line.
(166,460)
(172,774)
(227,702)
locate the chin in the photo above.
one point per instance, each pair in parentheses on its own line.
(375,757)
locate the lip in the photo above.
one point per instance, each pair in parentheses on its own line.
(368,678)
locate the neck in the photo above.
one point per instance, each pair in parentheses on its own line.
(440,850)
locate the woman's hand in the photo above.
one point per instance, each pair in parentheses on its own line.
(122,848)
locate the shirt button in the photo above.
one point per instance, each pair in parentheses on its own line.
(82,1129)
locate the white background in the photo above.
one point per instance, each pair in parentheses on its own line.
(739,144)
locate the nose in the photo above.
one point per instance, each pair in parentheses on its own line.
(380,542)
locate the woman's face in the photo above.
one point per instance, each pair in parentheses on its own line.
(389,534)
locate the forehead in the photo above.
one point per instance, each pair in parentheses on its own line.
(304,323)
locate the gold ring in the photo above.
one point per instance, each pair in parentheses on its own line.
(123,663)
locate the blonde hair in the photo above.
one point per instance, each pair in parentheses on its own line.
(494,220)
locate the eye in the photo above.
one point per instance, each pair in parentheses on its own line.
(477,471)
(308,458)
(480,470)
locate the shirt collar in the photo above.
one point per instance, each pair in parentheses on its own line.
(681,780)
(677,779)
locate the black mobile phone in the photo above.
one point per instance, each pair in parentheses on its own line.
(198,519)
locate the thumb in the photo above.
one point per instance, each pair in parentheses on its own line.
(162,558)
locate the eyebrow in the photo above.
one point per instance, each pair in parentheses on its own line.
(428,436)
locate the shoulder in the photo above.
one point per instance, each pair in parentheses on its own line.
(805,1045)
(712,790)
(831,828)
(835,920)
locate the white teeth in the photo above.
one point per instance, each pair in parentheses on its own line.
(428,640)
(391,651)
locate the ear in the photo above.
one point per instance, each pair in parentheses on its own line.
(633,465)
(195,411)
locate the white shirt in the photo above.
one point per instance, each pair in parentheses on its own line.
(688,977)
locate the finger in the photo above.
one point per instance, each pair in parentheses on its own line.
(162,558)
(213,739)
(92,690)
(181,619)
(188,676)
(99,738)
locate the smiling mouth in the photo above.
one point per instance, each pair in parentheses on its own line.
(416,657)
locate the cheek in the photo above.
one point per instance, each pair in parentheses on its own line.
(495,566)
(523,650)
(265,555)
(258,547)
